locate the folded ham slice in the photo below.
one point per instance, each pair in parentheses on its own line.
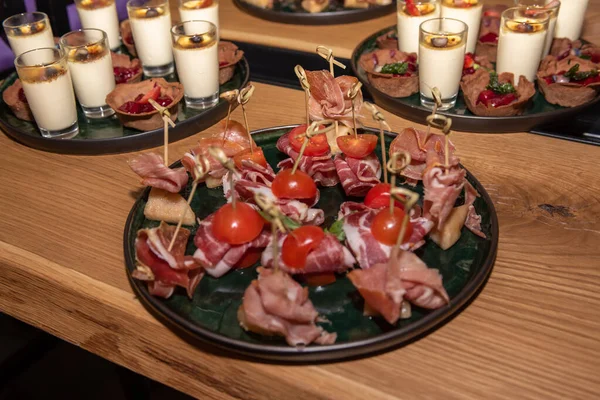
(275,304)
(473,221)
(385,287)
(329,97)
(153,171)
(218,257)
(163,269)
(357,175)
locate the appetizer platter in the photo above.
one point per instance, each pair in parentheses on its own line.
(310,242)
(316,12)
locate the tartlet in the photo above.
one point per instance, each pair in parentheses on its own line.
(400,82)
(473,62)
(229,56)
(126,70)
(387,40)
(568,82)
(127,36)
(14,97)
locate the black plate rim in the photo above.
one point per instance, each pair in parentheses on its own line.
(124,144)
(469,123)
(325,18)
(318,353)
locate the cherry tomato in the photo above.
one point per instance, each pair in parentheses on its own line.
(257,156)
(152,94)
(320,279)
(238,225)
(299,243)
(298,185)
(357,147)
(379,196)
(317,145)
(249,259)
(386,226)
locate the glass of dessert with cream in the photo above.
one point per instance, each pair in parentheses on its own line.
(49,91)
(467,11)
(150,25)
(195,45)
(90,64)
(552,8)
(28,31)
(411,14)
(570,19)
(521,42)
(200,10)
(100,14)
(442,47)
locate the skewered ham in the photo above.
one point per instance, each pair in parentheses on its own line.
(329,97)
(358,176)
(153,171)
(275,304)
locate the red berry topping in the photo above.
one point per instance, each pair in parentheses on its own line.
(123,75)
(491,99)
(489,37)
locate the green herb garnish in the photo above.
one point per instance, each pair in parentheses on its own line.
(574,74)
(288,223)
(497,87)
(396,68)
(337,230)
(585,56)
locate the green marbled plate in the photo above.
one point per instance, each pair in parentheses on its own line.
(539,112)
(211,315)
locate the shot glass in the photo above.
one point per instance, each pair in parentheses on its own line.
(409,20)
(28,31)
(100,14)
(49,91)
(570,19)
(200,10)
(90,64)
(552,8)
(521,42)
(150,25)
(442,45)
(468,12)
(195,46)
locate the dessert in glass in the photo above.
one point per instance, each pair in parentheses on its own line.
(552,8)
(196,50)
(150,25)
(467,11)
(100,14)
(410,16)
(90,64)
(570,19)
(442,47)
(521,42)
(200,10)
(49,91)
(28,31)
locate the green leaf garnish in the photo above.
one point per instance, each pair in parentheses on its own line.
(337,230)
(586,56)
(398,68)
(288,222)
(497,87)
(574,74)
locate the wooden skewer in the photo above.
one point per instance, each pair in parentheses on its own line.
(219,154)
(352,93)
(230,96)
(312,130)
(404,158)
(437,98)
(327,54)
(444,124)
(166,116)
(243,98)
(409,199)
(274,216)
(301,74)
(378,116)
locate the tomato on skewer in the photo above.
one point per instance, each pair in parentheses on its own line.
(379,196)
(298,185)
(299,243)
(237,225)
(386,226)
(358,146)
(257,156)
(317,145)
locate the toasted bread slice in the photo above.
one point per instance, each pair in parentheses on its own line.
(168,207)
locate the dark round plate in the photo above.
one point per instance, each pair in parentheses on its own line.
(211,316)
(290,12)
(539,112)
(108,136)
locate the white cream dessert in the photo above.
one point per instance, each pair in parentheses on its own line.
(150,28)
(570,19)
(552,8)
(100,14)
(199,10)
(467,11)
(410,18)
(27,37)
(520,45)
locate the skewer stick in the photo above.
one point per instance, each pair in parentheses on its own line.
(230,96)
(352,93)
(166,116)
(409,199)
(312,130)
(437,98)
(392,165)
(444,124)
(243,98)
(327,54)
(378,116)
(301,74)
(274,216)
(218,154)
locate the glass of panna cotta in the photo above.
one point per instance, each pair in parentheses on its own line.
(196,50)
(467,11)
(200,10)
(90,64)
(100,14)
(410,16)
(442,47)
(28,31)
(521,41)
(569,22)
(49,91)
(552,9)
(150,25)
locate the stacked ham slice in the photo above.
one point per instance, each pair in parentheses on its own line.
(275,304)
(358,175)
(153,171)
(386,286)
(329,97)
(163,269)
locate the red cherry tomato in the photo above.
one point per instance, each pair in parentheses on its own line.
(320,279)
(238,225)
(317,145)
(152,94)
(249,259)
(386,226)
(298,185)
(357,147)
(256,156)
(379,196)
(299,243)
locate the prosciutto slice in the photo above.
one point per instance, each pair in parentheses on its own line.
(385,287)
(329,97)
(275,304)
(330,256)
(473,221)
(163,269)
(320,168)
(357,175)
(359,239)
(153,171)
(218,257)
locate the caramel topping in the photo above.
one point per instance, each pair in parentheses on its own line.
(41,74)
(27,30)
(424,9)
(195,42)
(87,54)
(442,42)
(94,4)
(524,26)
(197,4)
(146,13)
(460,3)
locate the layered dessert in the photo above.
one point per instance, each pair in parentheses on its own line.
(27,32)
(411,14)
(200,10)
(467,11)
(100,14)
(125,69)
(552,9)
(15,99)
(229,56)
(391,71)
(570,19)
